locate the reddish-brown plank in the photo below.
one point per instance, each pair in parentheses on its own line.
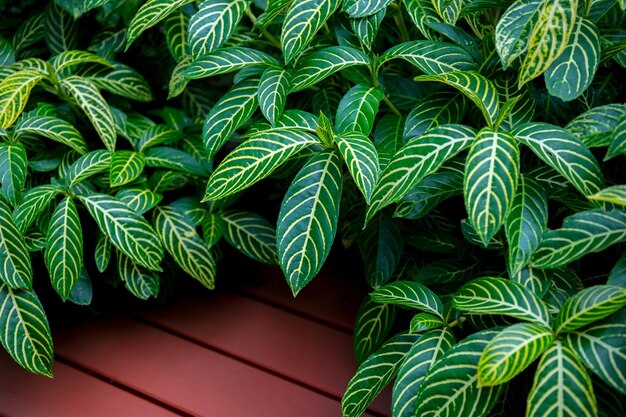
(185,375)
(329,297)
(70,394)
(301,349)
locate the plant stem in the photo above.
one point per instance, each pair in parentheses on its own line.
(457,322)
(265,33)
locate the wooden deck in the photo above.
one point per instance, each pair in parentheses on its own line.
(252,352)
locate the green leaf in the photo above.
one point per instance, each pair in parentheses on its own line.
(618,141)
(513,30)
(128,231)
(231,111)
(122,80)
(225,60)
(360,155)
(26,333)
(141,282)
(572,72)
(59,29)
(614,195)
(254,160)
(409,294)
(149,14)
(157,135)
(434,110)
(175,159)
(91,163)
(479,89)
(178,82)
(501,296)
(374,374)
(363,8)
(381,245)
(366,28)
(14,92)
(525,223)
(304,18)
(422,322)
(13,165)
(82,294)
(358,108)
(251,234)
(33,203)
(601,348)
(373,323)
(176,33)
(64,248)
(95,107)
(52,128)
(512,351)
(596,127)
(589,305)
(617,276)
(7,55)
(273,90)
(420,157)
(213,24)
(561,387)
(102,254)
(421,13)
(536,280)
(68,59)
(322,63)
(564,153)
(491,175)
(29,32)
(307,221)
(424,353)
(139,199)
(548,38)
(15,265)
(388,138)
(582,233)
(431,57)
(182,241)
(213,228)
(450,388)
(126,166)
(449,10)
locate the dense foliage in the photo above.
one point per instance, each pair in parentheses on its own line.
(473,150)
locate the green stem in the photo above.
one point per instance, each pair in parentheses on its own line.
(404,33)
(265,33)
(457,322)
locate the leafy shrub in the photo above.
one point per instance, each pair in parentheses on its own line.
(473,151)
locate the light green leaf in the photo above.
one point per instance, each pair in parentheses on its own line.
(373,323)
(374,374)
(64,248)
(176,33)
(596,127)
(251,234)
(513,30)
(68,59)
(421,12)
(213,24)
(381,245)
(450,388)
(501,296)
(422,322)
(15,265)
(128,231)
(449,10)
(178,82)
(304,18)
(562,151)
(102,254)
(182,241)
(225,60)
(157,135)
(409,294)
(95,107)
(255,159)
(431,57)
(614,195)
(582,233)
(512,351)
(139,199)
(360,155)
(572,72)
(13,166)
(26,333)
(420,157)
(589,305)
(14,92)
(126,166)
(491,175)
(33,203)
(363,8)
(561,387)
(91,163)
(307,221)
(424,353)
(273,90)
(149,14)
(479,89)
(52,128)
(548,38)
(141,282)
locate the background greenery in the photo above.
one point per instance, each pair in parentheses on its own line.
(472,152)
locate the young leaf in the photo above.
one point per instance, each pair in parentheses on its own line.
(374,374)
(561,387)
(64,248)
(126,166)
(373,323)
(225,60)
(33,203)
(213,24)
(13,165)
(431,57)
(102,254)
(512,351)
(409,294)
(15,266)
(614,195)
(450,388)
(182,241)
(582,233)
(360,155)
(52,128)
(307,221)
(141,282)
(381,244)
(91,163)
(501,296)
(251,234)
(589,305)
(304,18)
(26,333)
(358,108)
(14,92)
(149,14)
(422,322)
(513,30)
(254,160)
(491,174)
(273,90)
(128,232)
(424,353)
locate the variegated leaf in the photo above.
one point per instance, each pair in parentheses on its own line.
(13,166)
(431,57)
(139,199)
(124,81)
(372,325)
(15,264)
(358,108)
(596,127)
(366,28)
(360,155)
(176,32)
(251,234)
(409,294)
(225,60)
(68,59)
(14,92)
(91,163)
(126,166)
(33,203)
(434,110)
(614,195)
(52,128)
(141,282)
(381,244)
(273,90)
(363,8)
(589,305)
(175,159)
(102,254)
(149,14)
(213,24)
(422,322)
(513,29)
(618,140)
(449,10)
(59,29)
